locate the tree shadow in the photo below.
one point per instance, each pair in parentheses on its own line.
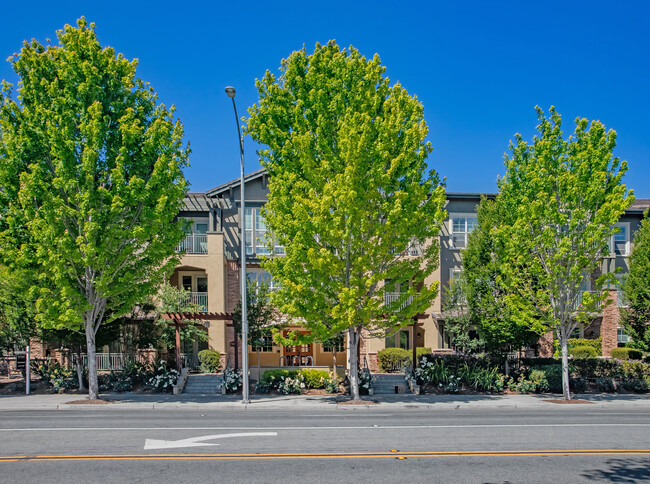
(621,470)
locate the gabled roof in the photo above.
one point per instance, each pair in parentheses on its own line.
(235,183)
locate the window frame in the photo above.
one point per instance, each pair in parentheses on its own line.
(612,240)
(466,217)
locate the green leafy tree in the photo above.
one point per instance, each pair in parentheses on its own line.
(17,323)
(501,330)
(91,168)
(260,315)
(636,289)
(349,194)
(459,322)
(172,299)
(564,197)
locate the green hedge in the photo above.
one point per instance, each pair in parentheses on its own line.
(393,359)
(597,343)
(210,361)
(315,378)
(627,354)
(583,352)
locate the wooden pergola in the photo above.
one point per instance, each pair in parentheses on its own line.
(182,320)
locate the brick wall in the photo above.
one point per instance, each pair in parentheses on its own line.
(609,325)
(545,345)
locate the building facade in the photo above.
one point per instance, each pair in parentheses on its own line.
(210,269)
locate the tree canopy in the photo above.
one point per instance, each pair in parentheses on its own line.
(636,289)
(564,197)
(91,167)
(349,194)
(501,330)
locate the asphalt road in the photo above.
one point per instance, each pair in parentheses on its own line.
(557,444)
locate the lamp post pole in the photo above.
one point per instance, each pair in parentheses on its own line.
(230,91)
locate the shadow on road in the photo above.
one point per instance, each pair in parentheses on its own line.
(621,470)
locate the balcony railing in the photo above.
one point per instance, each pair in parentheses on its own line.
(392,297)
(194,244)
(198,298)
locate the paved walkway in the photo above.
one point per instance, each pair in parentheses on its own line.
(262,402)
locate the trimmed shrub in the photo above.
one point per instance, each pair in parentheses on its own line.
(393,359)
(315,378)
(594,343)
(552,375)
(583,352)
(210,361)
(626,354)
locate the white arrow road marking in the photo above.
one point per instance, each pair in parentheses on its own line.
(150,444)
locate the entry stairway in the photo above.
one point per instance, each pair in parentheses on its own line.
(203,384)
(389,383)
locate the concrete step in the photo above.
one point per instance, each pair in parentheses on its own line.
(204,384)
(387,384)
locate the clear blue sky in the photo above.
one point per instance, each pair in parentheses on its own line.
(479,68)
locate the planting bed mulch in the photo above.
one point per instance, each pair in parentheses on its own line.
(87,401)
(357,402)
(562,401)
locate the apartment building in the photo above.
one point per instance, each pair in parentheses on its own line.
(210,267)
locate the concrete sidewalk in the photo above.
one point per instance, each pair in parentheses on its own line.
(322,402)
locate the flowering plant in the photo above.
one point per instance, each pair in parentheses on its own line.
(232,380)
(163,378)
(290,385)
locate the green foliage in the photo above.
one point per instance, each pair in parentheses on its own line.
(564,197)
(315,378)
(232,380)
(259,313)
(210,361)
(500,330)
(627,354)
(92,181)
(172,299)
(58,377)
(594,343)
(16,308)
(636,289)
(161,378)
(393,359)
(348,194)
(583,352)
(459,320)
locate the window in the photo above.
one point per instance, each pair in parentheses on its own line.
(255,234)
(260,277)
(619,243)
(335,343)
(621,302)
(461,226)
(195,241)
(196,284)
(622,336)
(265,343)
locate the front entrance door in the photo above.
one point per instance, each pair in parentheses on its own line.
(301,355)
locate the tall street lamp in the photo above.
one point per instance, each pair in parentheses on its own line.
(230,91)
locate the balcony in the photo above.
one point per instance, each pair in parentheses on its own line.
(194,244)
(198,298)
(392,297)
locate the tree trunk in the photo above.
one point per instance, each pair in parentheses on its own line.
(93,387)
(80,370)
(353,338)
(334,361)
(565,365)
(259,376)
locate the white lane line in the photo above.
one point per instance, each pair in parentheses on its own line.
(357,427)
(151,444)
